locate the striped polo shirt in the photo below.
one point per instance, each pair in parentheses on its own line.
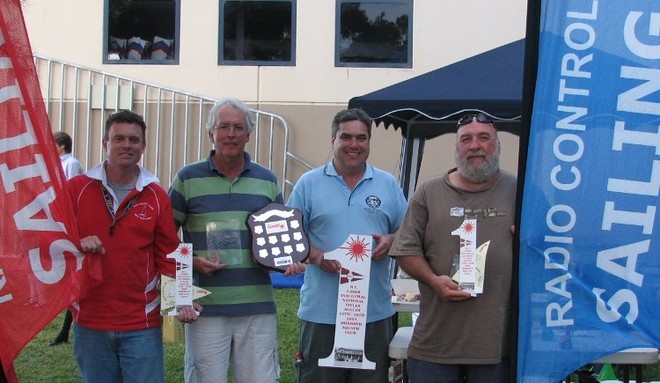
(200,196)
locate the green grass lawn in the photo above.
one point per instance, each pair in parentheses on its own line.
(39,362)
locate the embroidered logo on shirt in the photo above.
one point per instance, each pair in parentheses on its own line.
(143,211)
(373,201)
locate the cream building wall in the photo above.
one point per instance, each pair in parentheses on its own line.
(308,94)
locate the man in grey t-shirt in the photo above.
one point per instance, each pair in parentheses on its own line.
(459,336)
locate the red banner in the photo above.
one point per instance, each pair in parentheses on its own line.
(41,270)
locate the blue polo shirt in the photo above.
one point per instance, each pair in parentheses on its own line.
(331,212)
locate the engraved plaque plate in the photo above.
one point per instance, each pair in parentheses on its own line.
(278,239)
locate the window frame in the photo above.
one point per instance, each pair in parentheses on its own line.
(409,51)
(144,61)
(221,37)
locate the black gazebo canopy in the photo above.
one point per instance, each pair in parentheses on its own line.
(429,105)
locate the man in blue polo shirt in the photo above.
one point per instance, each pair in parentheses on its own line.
(346,196)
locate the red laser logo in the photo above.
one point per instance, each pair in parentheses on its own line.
(357,249)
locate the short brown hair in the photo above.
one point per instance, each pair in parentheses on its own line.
(63,139)
(128,117)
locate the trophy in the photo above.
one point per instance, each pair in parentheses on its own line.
(469,267)
(179,291)
(223,240)
(278,239)
(352,301)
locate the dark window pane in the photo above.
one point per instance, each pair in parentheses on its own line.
(257,31)
(139,30)
(374,32)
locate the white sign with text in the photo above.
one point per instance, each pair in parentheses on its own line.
(355,258)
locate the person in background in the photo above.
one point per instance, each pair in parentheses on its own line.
(70,164)
(459,337)
(346,196)
(72,167)
(125,220)
(238,326)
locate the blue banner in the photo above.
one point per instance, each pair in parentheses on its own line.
(590,249)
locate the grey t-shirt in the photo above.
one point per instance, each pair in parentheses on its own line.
(474,331)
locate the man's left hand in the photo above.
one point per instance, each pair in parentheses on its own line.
(294,269)
(188,314)
(383,244)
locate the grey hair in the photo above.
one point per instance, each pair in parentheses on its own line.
(213,113)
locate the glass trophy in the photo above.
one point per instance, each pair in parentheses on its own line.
(223,240)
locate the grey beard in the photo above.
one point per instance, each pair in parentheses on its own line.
(480,173)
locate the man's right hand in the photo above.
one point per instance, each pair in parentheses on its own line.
(92,244)
(206,267)
(316,257)
(418,268)
(449,290)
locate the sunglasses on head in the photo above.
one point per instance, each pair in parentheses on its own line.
(480,117)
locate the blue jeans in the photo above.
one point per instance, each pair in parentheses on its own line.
(119,357)
(420,371)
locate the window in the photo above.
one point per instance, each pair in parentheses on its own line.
(257,32)
(141,32)
(374,33)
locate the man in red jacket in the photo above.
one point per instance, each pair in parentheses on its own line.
(125,218)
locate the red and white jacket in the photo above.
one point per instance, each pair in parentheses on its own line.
(135,250)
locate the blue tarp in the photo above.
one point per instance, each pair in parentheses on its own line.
(279,280)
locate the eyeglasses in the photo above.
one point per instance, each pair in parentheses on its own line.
(480,117)
(238,129)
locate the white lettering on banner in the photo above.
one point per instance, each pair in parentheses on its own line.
(564,186)
(568,149)
(623,136)
(568,157)
(35,215)
(633,101)
(630,253)
(21,141)
(3,281)
(558,286)
(554,211)
(58,262)
(651,52)
(645,220)
(576,112)
(558,258)
(571,65)
(554,262)
(566,123)
(24,218)
(609,312)
(554,314)
(10,177)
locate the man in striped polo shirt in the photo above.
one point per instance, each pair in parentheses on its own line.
(212,200)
